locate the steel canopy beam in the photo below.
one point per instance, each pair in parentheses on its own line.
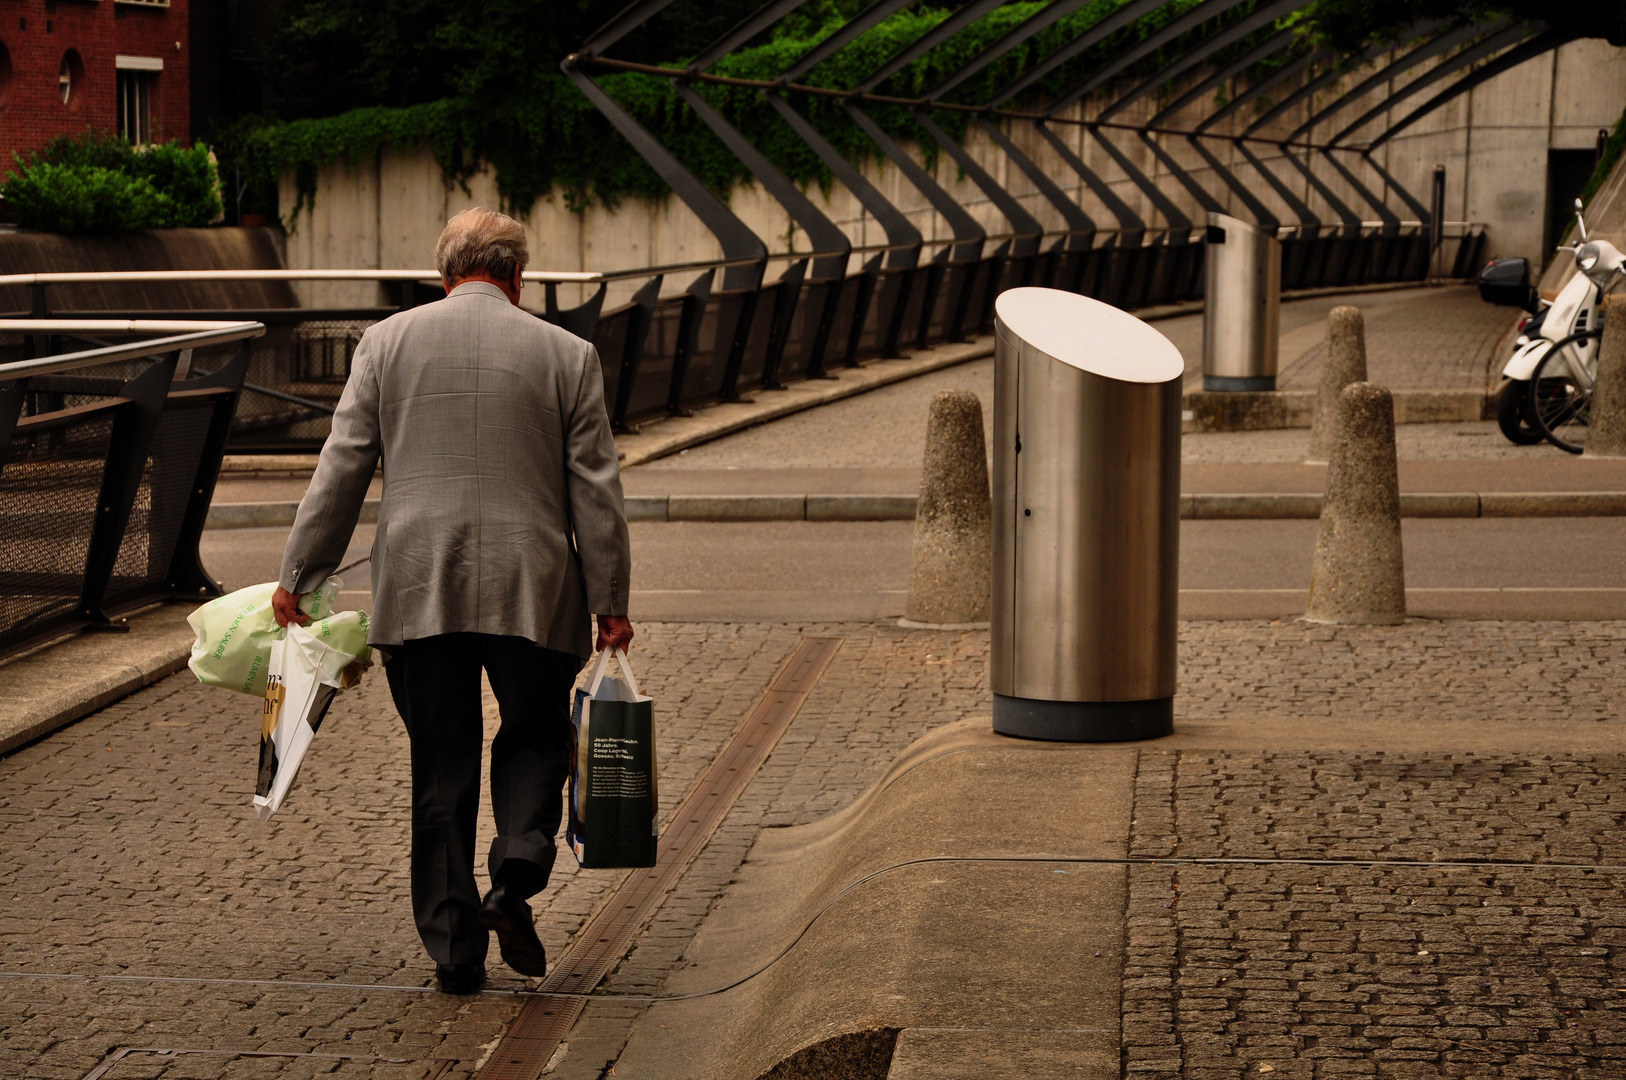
(900,231)
(1039,20)
(1391,220)
(1173,214)
(871,16)
(1026,227)
(1119,19)
(1544,42)
(928,41)
(1080,225)
(1208,47)
(1262,215)
(968,235)
(1129,222)
(1270,47)
(1491,45)
(748,28)
(1307,217)
(1196,16)
(825,234)
(736,238)
(1187,181)
(1433,47)
(1269,82)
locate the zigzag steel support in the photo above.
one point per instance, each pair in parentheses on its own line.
(1176,219)
(1402,64)
(898,228)
(1270,47)
(1129,222)
(1079,224)
(1270,81)
(825,234)
(1195,17)
(1208,47)
(968,235)
(736,238)
(1026,227)
(1542,43)
(1493,44)
(1187,181)
(1112,23)
(1307,218)
(1261,213)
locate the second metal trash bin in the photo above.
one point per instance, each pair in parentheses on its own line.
(1086,520)
(1242,305)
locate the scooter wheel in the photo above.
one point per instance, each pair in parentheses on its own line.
(1513,413)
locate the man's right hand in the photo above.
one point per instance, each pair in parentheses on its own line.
(285,608)
(614,632)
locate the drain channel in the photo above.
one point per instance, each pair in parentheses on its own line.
(547,1018)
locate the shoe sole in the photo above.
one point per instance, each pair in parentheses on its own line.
(517,953)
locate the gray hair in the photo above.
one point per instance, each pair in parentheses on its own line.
(481,241)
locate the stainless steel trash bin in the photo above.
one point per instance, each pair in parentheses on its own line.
(1086,520)
(1242,308)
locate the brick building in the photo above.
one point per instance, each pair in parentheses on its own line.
(111,65)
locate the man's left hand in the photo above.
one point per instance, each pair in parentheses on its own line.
(614,632)
(285,609)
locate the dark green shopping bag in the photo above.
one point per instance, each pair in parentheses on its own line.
(612,771)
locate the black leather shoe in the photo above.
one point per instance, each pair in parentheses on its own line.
(460,978)
(510,919)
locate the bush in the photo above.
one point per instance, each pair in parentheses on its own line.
(99,184)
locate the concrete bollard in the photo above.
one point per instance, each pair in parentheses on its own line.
(951,573)
(1359,572)
(1345,364)
(1606,422)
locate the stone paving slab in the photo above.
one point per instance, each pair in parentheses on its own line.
(1412,971)
(129,851)
(58,684)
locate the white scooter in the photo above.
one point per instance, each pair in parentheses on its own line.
(1546,391)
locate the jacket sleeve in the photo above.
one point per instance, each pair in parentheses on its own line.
(593,479)
(332,504)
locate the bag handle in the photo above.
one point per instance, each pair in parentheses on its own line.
(602,666)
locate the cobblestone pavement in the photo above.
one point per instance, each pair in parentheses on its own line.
(130,855)
(129,852)
(1322,971)
(1443,340)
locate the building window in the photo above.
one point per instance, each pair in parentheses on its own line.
(135,105)
(71,79)
(5,74)
(138,81)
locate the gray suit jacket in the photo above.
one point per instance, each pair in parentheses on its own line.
(497,453)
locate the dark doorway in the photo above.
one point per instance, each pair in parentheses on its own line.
(1567,173)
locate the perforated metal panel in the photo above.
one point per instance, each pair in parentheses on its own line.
(50,483)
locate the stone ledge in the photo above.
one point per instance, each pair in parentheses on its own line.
(1267,410)
(52,687)
(1269,506)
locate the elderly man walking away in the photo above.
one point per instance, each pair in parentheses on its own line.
(501,528)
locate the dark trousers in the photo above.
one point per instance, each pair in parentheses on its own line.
(436,686)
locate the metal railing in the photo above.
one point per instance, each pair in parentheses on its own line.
(108,461)
(700,344)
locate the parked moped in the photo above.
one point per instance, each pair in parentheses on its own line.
(1546,389)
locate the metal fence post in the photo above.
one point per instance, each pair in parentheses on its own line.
(186,572)
(694,310)
(632,353)
(133,434)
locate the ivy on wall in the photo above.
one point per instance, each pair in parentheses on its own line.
(550,138)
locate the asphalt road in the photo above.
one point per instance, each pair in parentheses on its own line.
(860,570)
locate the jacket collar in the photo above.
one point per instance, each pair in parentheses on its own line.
(483,288)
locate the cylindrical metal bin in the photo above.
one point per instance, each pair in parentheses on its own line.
(1243,307)
(1086,520)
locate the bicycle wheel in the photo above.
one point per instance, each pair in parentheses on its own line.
(1561,392)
